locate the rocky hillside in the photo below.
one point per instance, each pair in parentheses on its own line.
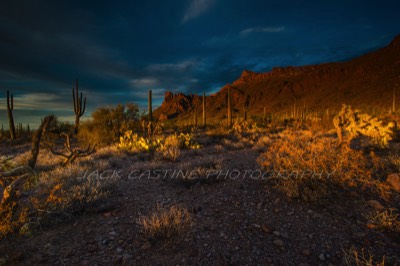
(366,82)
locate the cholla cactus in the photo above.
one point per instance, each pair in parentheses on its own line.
(357,123)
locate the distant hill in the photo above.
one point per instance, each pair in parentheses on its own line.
(365,82)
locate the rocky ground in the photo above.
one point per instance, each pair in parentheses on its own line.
(239,221)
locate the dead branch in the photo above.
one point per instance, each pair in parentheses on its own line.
(36,140)
(71,154)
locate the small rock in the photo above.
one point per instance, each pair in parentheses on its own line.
(361,235)
(266,229)
(321,256)
(375,204)
(126,258)
(146,246)
(279,243)
(306,252)
(394,181)
(91,248)
(276,233)
(119,250)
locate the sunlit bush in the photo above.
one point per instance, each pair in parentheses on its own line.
(306,166)
(355,122)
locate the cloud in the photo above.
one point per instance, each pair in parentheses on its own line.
(262,30)
(196,8)
(31,101)
(178,66)
(238,38)
(143,82)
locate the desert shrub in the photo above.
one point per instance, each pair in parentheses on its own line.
(73,195)
(245,127)
(57,127)
(352,256)
(306,166)
(262,143)
(53,197)
(358,123)
(170,148)
(166,223)
(107,124)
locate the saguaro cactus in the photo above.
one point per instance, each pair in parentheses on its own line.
(195,118)
(79,106)
(204,109)
(229,108)
(394,101)
(150,125)
(10,108)
(246,107)
(265,114)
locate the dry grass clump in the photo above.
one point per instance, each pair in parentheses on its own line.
(360,258)
(385,220)
(166,223)
(308,166)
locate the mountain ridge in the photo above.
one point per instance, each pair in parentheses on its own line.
(366,82)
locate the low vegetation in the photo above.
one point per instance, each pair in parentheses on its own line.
(165,223)
(298,162)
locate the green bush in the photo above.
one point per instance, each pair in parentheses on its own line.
(108,124)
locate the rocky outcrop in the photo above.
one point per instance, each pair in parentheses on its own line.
(175,104)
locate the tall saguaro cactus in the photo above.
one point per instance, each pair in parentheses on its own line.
(79,106)
(150,125)
(10,108)
(204,109)
(229,108)
(394,101)
(195,118)
(246,107)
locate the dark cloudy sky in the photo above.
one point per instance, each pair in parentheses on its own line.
(120,49)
